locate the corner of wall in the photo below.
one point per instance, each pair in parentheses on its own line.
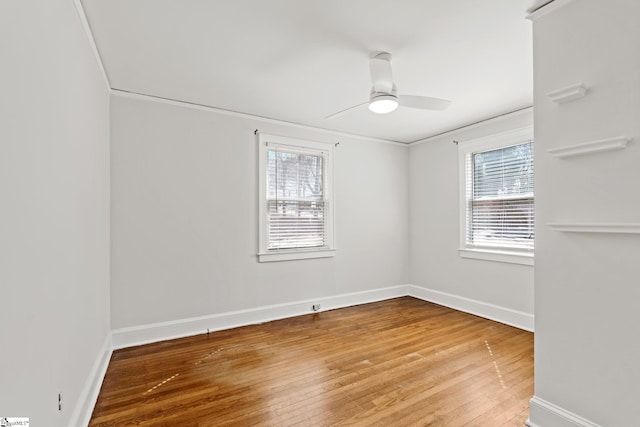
(92,43)
(547,414)
(89,394)
(508,316)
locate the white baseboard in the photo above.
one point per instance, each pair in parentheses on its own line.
(543,414)
(145,334)
(89,394)
(138,335)
(518,319)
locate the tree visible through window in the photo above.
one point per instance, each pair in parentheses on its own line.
(296,212)
(497,197)
(500,206)
(295,198)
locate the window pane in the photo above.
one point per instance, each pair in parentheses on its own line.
(508,223)
(504,172)
(501,198)
(295,176)
(296,224)
(295,200)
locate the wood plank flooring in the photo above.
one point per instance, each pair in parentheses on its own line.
(400,362)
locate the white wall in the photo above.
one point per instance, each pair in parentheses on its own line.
(54,211)
(184,216)
(587,290)
(434,229)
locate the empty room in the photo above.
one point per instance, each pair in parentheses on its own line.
(320,213)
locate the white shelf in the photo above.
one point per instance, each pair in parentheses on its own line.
(602,145)
(617,228)
(568,94)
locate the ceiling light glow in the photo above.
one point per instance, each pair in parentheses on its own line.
(383,104)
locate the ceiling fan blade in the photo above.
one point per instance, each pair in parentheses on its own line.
(381,76)
(331,116)
(424,102)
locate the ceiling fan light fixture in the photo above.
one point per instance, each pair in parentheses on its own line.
(384,97)
(383,104)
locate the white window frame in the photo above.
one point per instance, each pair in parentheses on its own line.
(465,148)
(269,255)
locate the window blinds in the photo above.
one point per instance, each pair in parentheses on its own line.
(296,198)
(500,198)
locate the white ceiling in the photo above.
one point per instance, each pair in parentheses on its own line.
(301,60)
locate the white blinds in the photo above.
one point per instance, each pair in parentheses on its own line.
(500,198)
(296,198)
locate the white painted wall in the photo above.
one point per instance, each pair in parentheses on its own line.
(434,227)
(587,302)
(54,211)
(184,216)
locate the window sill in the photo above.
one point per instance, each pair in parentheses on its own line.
(288,256)
(498,256)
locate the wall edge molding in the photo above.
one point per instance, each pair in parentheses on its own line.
(208,108)
(495,119)
(617,228)
(145,334)
(591,147)
(568,94)
(537,4)
(545,9)
(88,396)
(92,42)
(545,413)
(515,318)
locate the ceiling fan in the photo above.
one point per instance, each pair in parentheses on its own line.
(384,96)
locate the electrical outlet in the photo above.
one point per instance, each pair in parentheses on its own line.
(315,307)
(60,401)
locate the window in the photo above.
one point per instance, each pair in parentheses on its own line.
(497,197)
(296,209)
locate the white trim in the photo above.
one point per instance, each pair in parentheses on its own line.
(568,94)
(144,334)
(294,144)
(599,146)
(537,4)
(524,258)
(547,9)
(305,145)
(92,42)
(518,319)
(465,148)
(618,228)
(202,107)
(544,413)
(507,138)
(89,395)
(491,120)
(298,254)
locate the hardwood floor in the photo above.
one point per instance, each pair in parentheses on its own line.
(400,362)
